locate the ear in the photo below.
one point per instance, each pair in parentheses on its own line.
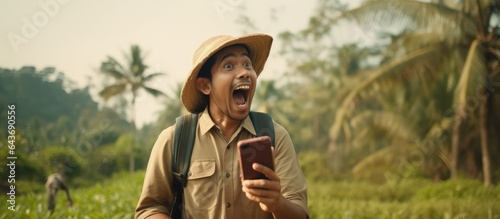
(203,84)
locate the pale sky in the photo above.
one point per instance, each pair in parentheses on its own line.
(75,36)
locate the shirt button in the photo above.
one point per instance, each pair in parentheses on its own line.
(228,175)
(228,205)
(228,147)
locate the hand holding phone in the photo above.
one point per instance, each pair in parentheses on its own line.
(255,150)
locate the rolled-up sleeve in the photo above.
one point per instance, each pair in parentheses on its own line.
(293,183)
(157,195)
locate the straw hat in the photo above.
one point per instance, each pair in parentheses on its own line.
(258,45)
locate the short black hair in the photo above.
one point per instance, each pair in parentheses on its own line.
(206,69)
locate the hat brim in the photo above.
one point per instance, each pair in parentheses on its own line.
(259,46)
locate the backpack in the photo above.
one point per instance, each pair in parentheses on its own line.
(182,148)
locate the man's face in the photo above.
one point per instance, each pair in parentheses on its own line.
(233,83)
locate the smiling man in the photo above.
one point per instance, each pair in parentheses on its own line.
(219,88)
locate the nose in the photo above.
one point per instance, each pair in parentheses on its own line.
(243,73)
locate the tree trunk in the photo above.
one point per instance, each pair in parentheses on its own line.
(316,132)
(460,113)
(455,144)
(483,132)
(132,154)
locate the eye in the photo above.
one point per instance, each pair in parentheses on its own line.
(228,66)
(248,64)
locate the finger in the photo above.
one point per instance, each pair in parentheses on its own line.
(270,174)
(253,197)
(262,184)
(261,199)
(263,193)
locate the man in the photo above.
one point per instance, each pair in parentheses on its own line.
(55,182)
(220,87)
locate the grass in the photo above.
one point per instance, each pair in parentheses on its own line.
(117,197)
(112,198)
(404,200)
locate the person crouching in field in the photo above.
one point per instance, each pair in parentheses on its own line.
(55,182)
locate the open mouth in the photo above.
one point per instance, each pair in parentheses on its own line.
(240,95)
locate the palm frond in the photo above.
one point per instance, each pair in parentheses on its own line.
(408,15)
(136,61)
(393,125)
(376,75)
(439,128)
(473,66)
(114,69)
(153,91)
(113,90)
(153,76)
(408,42)
(385,158)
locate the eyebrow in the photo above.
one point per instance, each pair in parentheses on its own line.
(233,55)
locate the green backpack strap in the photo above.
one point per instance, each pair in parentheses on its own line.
(182,148)
(263,124)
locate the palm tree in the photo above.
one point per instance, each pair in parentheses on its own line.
(318,69)
(396,137)
(432,36)
(129,79)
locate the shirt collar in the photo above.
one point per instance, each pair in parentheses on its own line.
(206,123)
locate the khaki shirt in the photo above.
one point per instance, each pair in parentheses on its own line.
(214,187)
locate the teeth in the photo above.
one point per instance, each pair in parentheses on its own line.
(243,87)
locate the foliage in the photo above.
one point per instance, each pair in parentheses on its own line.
(32,170)
(30,89)
(466,190)
(129,79)
(358,113)
(47,119)
(402,160)
(64,160)
(62,133)
(115,197)
(410,198)
(422,49)
(408,57)
(315,166)
(366,200)
(172,109)
(112,158)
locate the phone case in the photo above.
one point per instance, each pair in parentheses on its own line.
(254,150)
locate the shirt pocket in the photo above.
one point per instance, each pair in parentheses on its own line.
(201,189)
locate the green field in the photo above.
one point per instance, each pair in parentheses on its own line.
(112,198)
(404,200)
(117,197)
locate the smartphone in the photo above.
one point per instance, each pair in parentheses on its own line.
(254,150)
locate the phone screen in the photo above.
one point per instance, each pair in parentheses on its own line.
(255,150)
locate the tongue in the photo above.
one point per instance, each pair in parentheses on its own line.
(239,99)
